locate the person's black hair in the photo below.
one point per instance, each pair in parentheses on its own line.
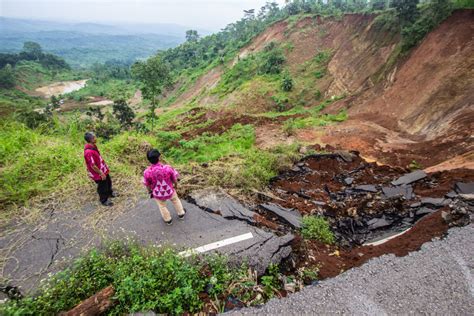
(153,156)
(88,136)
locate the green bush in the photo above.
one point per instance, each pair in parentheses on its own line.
(286,82)
(145,279)
(431,15)
(268,62)
(317,227)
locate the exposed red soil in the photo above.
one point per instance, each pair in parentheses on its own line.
(424,111)
(218,122)
(442,182)
(331,263)
(315,185)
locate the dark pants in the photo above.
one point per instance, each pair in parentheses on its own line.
(104,188)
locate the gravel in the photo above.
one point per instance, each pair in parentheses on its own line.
(438,279)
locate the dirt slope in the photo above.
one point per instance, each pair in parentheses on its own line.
(427,112)
(422,110)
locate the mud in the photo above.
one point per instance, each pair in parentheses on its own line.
(361,204)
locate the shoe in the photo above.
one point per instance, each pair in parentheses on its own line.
(114,194)
(182,216)
(169,222)
(107,203)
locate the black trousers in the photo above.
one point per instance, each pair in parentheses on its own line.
(104,188)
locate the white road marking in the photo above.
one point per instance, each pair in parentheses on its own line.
(382,241)
(217,244)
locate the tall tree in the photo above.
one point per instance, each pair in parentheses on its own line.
(407,11)
(154,76)
(192,36)
(123,113)
(7,77)
(33,49)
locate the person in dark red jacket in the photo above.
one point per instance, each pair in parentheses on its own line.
(98,170)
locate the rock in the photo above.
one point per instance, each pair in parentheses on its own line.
(410,178)
(451,195)
(366,188)
(219,202)
(345,155)
(295,169)
(348,181)
(290,287)
(377,223)
(446,216)
(415,205)
(303,150)
(435,202)
(289,216)
(424,210)
(467,197)
(464,188)
(405,191)
(318,203)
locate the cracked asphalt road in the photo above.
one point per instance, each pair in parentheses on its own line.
(438,279)
(30,252)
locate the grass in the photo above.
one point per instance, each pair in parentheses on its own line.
(317,227)
(110,89)
(208,147)
(12,100)
(38,161)
(148,279)
(313,121)
(31,75)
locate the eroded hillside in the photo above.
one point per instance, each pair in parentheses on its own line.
(401,108)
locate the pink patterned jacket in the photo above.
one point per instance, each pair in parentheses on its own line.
(159,178)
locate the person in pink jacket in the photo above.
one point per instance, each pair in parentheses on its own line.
(161,182)
(98,170)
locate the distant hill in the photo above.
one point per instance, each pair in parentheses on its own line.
(82,44)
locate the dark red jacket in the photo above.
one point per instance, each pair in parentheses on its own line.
(92,157)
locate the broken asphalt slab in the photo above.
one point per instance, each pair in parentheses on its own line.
(464,188)
(219,202)
(366,188)
(48,247)
(290,216)
(405,191)
(410,178)
(435,202)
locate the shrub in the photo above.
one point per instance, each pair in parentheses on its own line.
(317,227)
(287,82)
(319,74)
(432,14)
(145,279)
(281,102)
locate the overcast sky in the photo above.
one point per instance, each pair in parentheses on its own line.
(208,14)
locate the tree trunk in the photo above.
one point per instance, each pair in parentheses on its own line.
(94,305)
